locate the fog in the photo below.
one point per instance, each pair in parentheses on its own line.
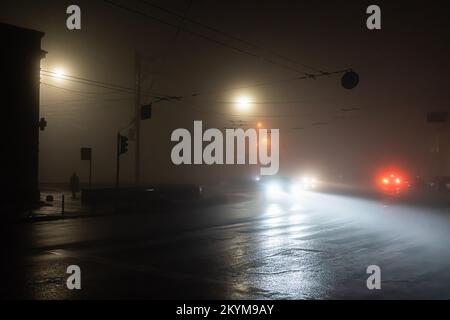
(386,127)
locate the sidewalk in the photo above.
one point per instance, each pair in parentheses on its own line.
(73,208)
(53,210)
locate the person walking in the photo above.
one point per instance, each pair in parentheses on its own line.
(74,185)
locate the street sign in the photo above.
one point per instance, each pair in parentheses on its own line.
(146,112)
(350,80)
(86,154)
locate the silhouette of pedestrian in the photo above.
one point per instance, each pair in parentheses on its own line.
(74,185)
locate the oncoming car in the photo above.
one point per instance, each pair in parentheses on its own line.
(308,182)
(277,188)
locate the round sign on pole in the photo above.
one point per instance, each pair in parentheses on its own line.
(350,80)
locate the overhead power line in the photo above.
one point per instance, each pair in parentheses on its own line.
(81,80)
(74,91)
(88,97)
(270,83)
(191,105)
(168,98)
(162,97)
(210,39)
(197,108)
(105,85)
(228,35)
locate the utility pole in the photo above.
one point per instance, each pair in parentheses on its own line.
(137,118)
(117,160)
(86,155)
(122,148)
(90,174)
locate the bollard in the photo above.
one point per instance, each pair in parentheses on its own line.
(62,206)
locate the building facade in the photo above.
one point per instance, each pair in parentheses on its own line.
(21,57)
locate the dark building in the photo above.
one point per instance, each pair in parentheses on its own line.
(439,144)
(21,56)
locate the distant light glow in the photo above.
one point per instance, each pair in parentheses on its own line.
(243,103)
(59,73)
(274,191)
(309,182)
(392,181)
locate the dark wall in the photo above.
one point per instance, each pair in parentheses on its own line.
(21,55)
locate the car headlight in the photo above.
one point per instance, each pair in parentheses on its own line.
(309,182)
(295,188)
(274,190)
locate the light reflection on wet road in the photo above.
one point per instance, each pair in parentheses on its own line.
(317,247)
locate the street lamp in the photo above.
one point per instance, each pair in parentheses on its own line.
(59,73)
(243,103)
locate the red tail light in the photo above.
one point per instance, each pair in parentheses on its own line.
(391,181)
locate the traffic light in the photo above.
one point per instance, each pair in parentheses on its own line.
(146,112)
(123,144)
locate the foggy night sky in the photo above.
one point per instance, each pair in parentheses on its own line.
(403,68)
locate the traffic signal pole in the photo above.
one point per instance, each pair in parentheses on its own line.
(137,119)
(118,160)
(122,148)
(90,173)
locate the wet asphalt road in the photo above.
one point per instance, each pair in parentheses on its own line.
(317,247)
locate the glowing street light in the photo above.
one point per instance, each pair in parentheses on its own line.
(59,73)
(243,103)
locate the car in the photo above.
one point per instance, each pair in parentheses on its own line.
(393,183)
(308,182)
(277,188)
(440,183)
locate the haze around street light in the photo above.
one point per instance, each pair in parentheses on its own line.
(243,103)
